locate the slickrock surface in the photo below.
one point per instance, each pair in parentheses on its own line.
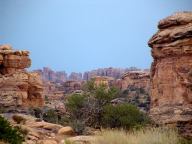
(17,86)
(171,72)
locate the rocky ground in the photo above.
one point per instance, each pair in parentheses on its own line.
(41,132)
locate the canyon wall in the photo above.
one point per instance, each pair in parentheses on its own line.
(171,72)
(18,88)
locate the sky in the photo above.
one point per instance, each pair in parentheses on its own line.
(81,35)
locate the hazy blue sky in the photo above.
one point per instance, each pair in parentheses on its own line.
(80,35)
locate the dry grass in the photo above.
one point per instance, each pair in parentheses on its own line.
(147,136)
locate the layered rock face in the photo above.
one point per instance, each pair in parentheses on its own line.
(139,79)
(71,86)
(171,71)
(115,73)
(18,87)
(134,86)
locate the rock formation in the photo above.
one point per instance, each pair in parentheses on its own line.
(71,86)
(103,80)
(139,79)
(115,73)
(54,96)
(18,87)
(134,86)
(48,74)
(171,72)
(37,131)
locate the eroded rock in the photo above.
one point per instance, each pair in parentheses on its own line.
(171,79)
(18,88)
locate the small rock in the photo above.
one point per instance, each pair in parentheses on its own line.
(66,131)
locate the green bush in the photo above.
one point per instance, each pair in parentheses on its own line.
(123,116)
(50,116)
(75,103)
(78,126)
(8,133)
(104,95)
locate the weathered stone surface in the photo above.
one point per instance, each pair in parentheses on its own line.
(171,71)
(71,86)
(134,86)
(18,88)
(140,79)
(38,132)
(102,80)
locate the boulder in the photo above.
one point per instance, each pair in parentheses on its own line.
(66,131)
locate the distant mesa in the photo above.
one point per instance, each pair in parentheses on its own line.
(48,74)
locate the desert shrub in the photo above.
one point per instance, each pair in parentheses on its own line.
(123,116)
(75,102)
(185,141)
(50,116)
(103,95)
(144,136)
(2,110)
(89,86)
(78,126)
(88,106)
(8,133)
(19,119)
(37,112)
(93,108)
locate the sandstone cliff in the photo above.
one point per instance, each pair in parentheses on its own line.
(171,71)
(18,88)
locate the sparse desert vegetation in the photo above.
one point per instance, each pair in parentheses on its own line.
(9,134)
(145,136)
(111,104)
(142,136)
